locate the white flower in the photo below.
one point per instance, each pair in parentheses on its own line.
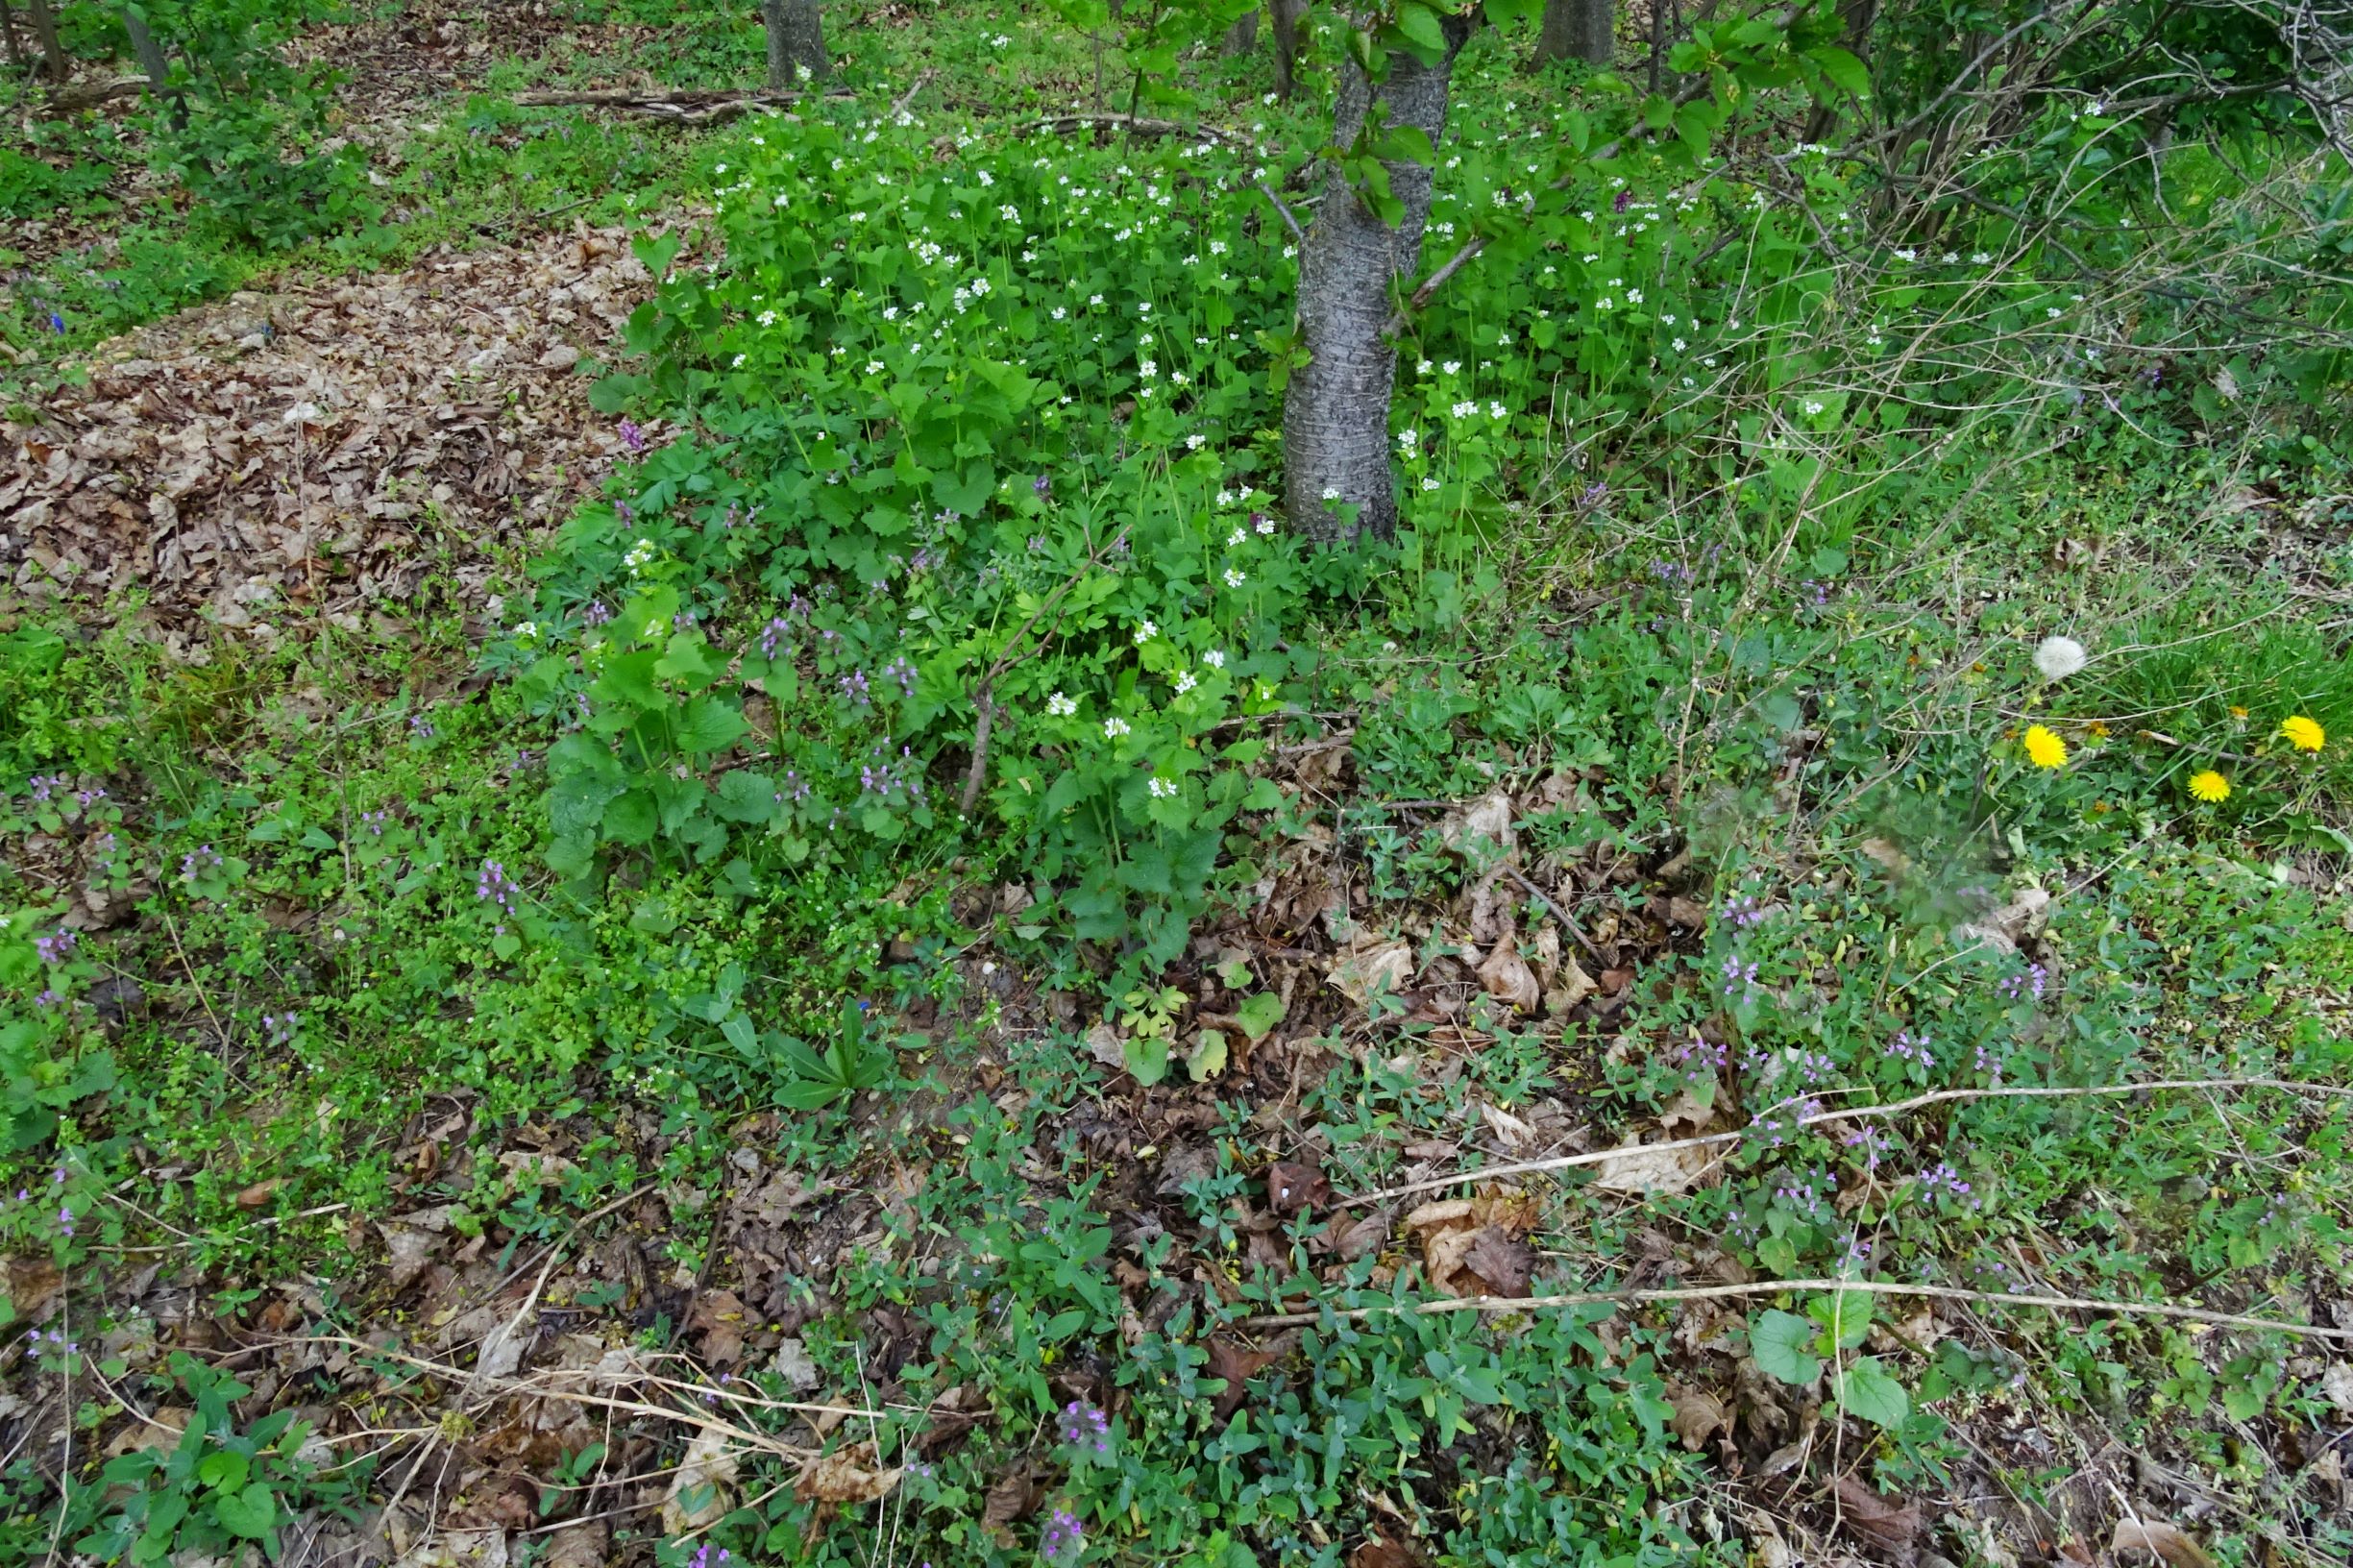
(1495,410)
(1236,537)
(986,179)
(782,200)
(1094,299)
(1146,633)
(1266,524)
(1331,492)
(1162,788)
(1633,296)
(1233,579)
(1430,483)
(1009,213)
(874,367)
(1061,706)
(1113,728)
(1184,681)
(1406,440)
(527,632)
(1192,443)
(768,318)
(1453,365)
(1214,659)
(1813,406)
(2059,657)
(1679,345)
(1464,410)
(1058,313)
(1225,497)
(1146,369)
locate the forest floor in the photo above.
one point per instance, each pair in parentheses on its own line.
(380,1209)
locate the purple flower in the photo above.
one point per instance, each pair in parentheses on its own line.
(1904,1048)
(47,998)
(1625,199)
(1042,484)
(493,886)
(631,436)
(1084,1427)
(1743,911)
(44,785)
(900,671)
(57,946)
(1739,979)
(200,860)
(2023,987)
(1065,1537)
(854,688)
(595,613)
(772,635)
(421,727)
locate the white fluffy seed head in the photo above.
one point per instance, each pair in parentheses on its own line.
(2059,657)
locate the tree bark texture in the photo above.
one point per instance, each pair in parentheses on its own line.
(795,43)
(150,55)
(1287,15)
(45,32)
(1336,410)
(1584,30)
(1242,36)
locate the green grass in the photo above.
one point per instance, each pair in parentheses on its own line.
(1794,703)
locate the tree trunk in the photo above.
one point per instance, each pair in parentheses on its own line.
(795,43)
(45,32)
(1287,15)
(1584,30)
(1336,410)
(1242,36)
(1860,16)
(8,31)
(150,55)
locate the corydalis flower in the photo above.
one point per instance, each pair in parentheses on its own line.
(2059,657)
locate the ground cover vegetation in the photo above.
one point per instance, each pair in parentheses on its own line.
(1367,795)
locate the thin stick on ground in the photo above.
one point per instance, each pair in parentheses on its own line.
(1940,1097)
(1765,1287)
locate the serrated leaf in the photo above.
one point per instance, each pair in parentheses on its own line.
(1781,1343)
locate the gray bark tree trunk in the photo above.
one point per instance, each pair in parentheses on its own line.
(1336,410)
(795,43)
(1584,30)
(8,31)
(45,32)
(1242,36)
(1286,16)
(150,55)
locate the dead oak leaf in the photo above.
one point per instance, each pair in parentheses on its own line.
(2166,1541)
(1888,1527)
(846,1475)
(1698,1414)
(1293,1186)
(1237,1365)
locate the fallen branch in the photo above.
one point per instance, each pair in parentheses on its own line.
(704,107)
(898,106)
(1940,1097)
(90,94)
(1557,913)
(1764,1287)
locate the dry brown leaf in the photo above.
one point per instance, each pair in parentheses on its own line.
(718,1317)
(1356,1238)
(703,1490)
(1486,819)
(1502,1265)
(1236,1365)
(1016,1496)
(1516,1135)
(1373,969)
(2166,1541)
(1887,1526)
(1638,1169)
(1376,1552)
(845,1476)
(1507,975)
(1294,1187)
(1698,1414)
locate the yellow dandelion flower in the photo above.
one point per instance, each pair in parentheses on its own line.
(2044,748)
(2236,712)
(2302,733)
(2097,730)
(2210,786)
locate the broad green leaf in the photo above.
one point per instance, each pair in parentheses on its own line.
(1208,1058)
(710,723)
(1782,1344)
(1865,1389)
(1260,1014)
(249,1514)
(1845,73)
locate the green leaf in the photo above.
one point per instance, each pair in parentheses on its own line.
(1781,1343)
(1845,73)
(632,817)
(249,1514)
(1147,1058)
(223,1471)
(1865,1389)
(1260,1014)
(746,797)
(1208,1058)
(1420,25)
(710,723)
